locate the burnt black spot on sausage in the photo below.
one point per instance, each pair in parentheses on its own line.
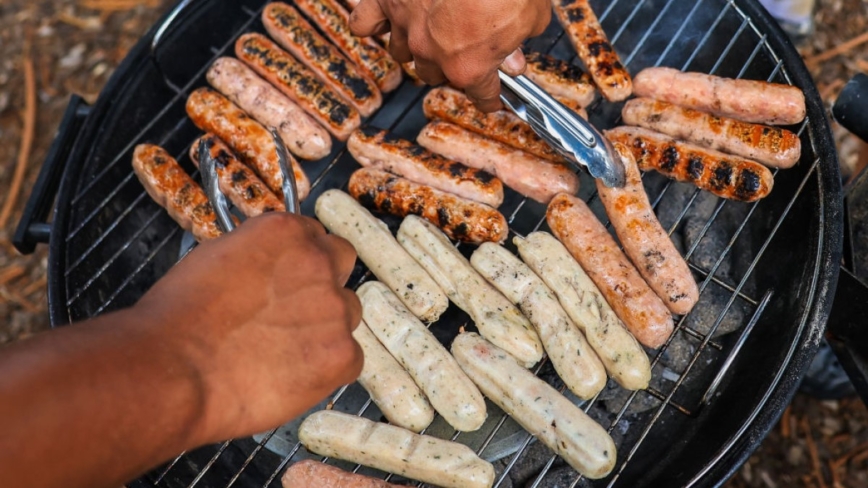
(484,177)
(239,176)
(339,113)
(599,47)
(461,229)
(669,158)
(250,193)
(575,14)
(159,160)
(357,85)
(391,138)
(386,205)
(721,178)
(417,151)
(695,166)
(442,215)
(368,198)
(369,131)
(749,184)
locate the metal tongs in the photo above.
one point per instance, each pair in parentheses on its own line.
(567,133)
(210,181)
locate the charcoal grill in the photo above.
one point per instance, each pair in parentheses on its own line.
(767,271)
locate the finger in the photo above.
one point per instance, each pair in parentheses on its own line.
(399,48)
(429,72)
(544,18)
(486,93)
(354,308)
(514,64)
(342,255)
(368,19)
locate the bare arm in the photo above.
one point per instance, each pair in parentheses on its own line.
(246,333)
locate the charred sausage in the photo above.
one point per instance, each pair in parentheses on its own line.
(173,189)
(588,241)
(525,173)
(298,83)
(772,146)
(645,241)
(286,26)
(560,79)
(461,219)
(375,148)
(726,176)
(213,113)
(594,49)
(747,100)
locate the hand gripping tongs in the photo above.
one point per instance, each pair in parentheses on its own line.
(567,133)
(210,182)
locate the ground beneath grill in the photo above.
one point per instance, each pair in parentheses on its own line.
(74,46)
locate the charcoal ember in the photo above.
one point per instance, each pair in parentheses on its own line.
(712,303)
(613,397)
(677,354)
(562,477)
(529,465)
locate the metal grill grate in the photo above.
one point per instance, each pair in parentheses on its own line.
(101,276)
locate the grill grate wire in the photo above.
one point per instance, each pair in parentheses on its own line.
(708,276)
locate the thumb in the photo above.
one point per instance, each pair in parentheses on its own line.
(486,94)
(514,64)
(368,19)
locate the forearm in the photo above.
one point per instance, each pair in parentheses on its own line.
(96,404)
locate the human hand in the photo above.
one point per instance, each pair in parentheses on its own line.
(457,41)
(264,321)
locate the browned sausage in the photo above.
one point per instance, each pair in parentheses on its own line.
(642,311)
(726,176)
(645,241)
(747,100)
(302,135)
(594,49)
(459,218)
(298,83)
(173,189)
(560,79)
(376,148)
(238,182)
(373,60)
(525,173)
(286,26)
(772,146)
(213,113)
(314,474)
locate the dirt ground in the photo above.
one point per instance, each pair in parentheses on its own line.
(51,48)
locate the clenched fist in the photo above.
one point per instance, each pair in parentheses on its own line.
(462,42)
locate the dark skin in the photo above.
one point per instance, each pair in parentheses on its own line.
(247,332)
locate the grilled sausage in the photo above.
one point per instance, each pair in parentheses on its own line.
(497,319)
(173,189)
(449,390)
(314,474)
(391,387)
(536,406)
(302,135)
(645,241)
(560,78)
(525,173)
(298,83)
(382,254)
(373,60)
(296,35)
(395,450)
(622,356)
(594,49)
(237,181)
(375,148)
(587,240)
(746,100)
(772,146)
(213,113)
(461,219)
(503,126)
(724,175)
(573,358)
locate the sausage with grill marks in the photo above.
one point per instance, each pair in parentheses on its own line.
(560,79)
(286,26)
(594,49)
(525,173)
(302,135)
(644,239)
(314,474)
(298,83)
(370,57)
(503,126)
(726,176)
(237,181)
(249,140)
(772,146)
(747,100)
(376,148)
(588,241)
(173,189)
(461,219)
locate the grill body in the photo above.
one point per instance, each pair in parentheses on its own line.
(770,267)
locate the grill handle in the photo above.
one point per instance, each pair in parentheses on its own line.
(851,106)
(33,228)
